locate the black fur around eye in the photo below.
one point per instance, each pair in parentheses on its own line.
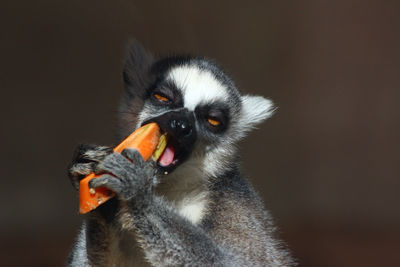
(215,122)
(166,94)
(215,119)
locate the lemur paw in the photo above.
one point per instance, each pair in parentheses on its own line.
(126,174)
(84,161)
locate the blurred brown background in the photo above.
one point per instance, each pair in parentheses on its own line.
(327,164)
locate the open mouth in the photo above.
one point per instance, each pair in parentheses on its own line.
(177,141)
(170,155)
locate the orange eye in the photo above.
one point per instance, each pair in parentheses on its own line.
(161,98)
(214,122)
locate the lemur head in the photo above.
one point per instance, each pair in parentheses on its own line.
(192,100)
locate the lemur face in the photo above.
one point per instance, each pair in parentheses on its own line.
(193,106)
(196,104)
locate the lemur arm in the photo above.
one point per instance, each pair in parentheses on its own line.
(166,237)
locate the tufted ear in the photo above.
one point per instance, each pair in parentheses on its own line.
(136,73)
(137,78)
(255,109)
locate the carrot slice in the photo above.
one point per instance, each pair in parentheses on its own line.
(144,139)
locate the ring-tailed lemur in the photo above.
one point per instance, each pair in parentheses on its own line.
(193,207)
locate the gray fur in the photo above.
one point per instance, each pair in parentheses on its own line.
(84,161)
(204,213)
(79,256)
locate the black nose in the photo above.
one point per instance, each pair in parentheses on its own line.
(181,126)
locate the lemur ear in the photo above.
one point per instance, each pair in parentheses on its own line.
(137,68)
(255,109)
(137,79)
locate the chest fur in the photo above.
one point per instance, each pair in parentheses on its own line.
(186,192)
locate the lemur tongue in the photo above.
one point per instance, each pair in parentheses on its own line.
(167,156)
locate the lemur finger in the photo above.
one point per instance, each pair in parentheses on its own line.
(81,169)
(108,181)
(115,164)
(80,150)
(141,168)
(133,155)
(76,172)
(87,152)
(97,153)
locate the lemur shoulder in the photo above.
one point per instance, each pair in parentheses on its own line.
(204,212)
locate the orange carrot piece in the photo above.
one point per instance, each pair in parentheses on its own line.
(144,139)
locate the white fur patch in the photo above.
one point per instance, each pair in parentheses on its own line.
(193,207)
(198,86)
(186,191)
